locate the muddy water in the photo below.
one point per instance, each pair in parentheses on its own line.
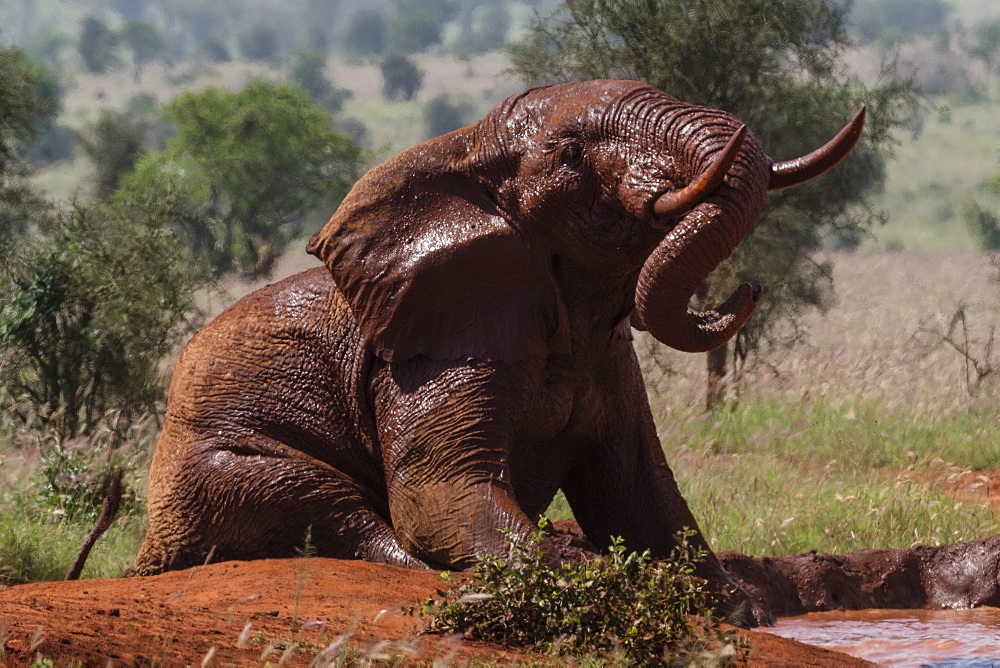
(966,638)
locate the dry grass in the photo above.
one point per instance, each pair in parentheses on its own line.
(869,346)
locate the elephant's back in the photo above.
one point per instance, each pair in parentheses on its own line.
(286,362)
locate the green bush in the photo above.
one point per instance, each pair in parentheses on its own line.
(623,606)
(90,308)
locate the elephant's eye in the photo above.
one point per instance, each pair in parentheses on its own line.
(572,153)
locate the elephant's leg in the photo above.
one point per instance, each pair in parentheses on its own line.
(229,502)
(622,485)
(444,434)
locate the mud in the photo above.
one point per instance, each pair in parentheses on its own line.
(957,576)
(246,613)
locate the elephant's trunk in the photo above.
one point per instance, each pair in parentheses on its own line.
(685,258)
(710,232)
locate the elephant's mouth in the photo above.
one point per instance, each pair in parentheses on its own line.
(672,205)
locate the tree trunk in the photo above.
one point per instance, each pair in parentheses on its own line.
(715,388)
(716,362)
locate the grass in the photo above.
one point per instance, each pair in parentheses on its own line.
(43,523)
(772,478)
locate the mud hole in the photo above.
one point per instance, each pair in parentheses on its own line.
(246,613)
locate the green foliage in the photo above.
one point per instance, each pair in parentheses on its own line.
(214,50)
(50,493)
(983,225)
(782,77)
(33,549)
(143,40)
(623,606)
(400,77)
(89,309)
(413,30)
(366,33)
(307,72)
(29,100)
(97,45)
(114,143)
(249,166)
(985,44)
(259,43)
(487,29)
(71,473)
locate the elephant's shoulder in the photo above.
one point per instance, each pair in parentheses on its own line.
(303,306)
(298,296)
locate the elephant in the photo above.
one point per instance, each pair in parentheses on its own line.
(466,350)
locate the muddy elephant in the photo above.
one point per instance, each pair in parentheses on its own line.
(467,351)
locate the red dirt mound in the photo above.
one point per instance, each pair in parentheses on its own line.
(248,612)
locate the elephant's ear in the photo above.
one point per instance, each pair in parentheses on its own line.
(430,267)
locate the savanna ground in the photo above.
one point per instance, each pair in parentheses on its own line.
(874,432)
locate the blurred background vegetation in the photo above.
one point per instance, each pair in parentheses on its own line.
(161,158)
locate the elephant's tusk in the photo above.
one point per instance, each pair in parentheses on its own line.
(794,172)
(678,203)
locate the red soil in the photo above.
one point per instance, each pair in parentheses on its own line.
(183,616)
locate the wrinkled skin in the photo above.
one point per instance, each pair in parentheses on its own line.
(466,352)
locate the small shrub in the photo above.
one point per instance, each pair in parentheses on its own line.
(623,605)
(983,226)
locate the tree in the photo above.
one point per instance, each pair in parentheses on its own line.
(114,143)
(259,43)
(983,225)
(307,72)
(777,69)
(365,34)
(143,41)
(487,29)
(27,106)
(400,77)
(442,116)
(90,307)
(96,45)
(413,30)
(249,166)
(985,45)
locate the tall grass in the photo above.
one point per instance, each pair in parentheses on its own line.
(47,503)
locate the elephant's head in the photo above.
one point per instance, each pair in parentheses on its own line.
(458,246)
